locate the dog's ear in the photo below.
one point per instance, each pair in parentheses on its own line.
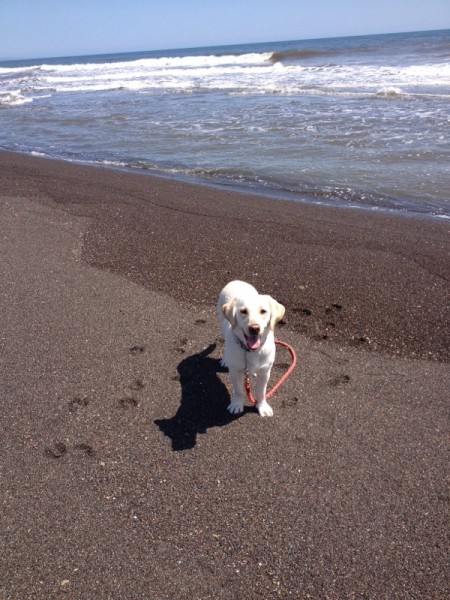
(229,312)
(277,311)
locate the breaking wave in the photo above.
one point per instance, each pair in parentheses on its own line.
(298,55)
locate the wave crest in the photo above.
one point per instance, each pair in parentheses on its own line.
(281,55)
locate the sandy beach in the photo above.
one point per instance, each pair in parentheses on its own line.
(123,476)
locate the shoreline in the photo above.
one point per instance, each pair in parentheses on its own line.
(387,273)
(244,189)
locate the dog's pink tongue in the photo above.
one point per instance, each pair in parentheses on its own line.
(253,342)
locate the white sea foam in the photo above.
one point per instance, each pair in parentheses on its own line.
(13,98)
(251,73)
(149,64)
(15,70)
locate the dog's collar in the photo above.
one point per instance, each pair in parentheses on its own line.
(244,347)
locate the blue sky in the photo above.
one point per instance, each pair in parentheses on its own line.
(44,28)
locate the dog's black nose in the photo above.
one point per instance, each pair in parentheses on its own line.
(254,329)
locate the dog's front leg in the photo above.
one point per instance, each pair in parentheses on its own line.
(236,405)
(262,379)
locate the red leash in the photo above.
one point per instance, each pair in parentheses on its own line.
(281,381)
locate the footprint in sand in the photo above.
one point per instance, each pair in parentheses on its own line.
(85,448)
(128,402)
(289,402)
(340,380)
(137,349)
(303,310)
(58,450)
(77,403)
(137,385)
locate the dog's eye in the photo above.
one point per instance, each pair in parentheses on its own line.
(263,311)
(244,311)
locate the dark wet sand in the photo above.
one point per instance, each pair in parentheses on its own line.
(122,474)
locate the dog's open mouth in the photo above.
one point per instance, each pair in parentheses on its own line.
(253,342)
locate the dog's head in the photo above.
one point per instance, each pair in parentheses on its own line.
(252,319)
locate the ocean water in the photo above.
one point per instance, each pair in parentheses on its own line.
(359,121)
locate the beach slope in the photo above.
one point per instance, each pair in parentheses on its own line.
(123,476)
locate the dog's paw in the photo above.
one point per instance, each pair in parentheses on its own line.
(236,406)
(264,409)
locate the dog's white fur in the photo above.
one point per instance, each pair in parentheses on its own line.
(249,317)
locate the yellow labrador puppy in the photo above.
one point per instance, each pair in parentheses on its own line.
(248,321)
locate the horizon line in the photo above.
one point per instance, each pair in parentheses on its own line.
(187,48)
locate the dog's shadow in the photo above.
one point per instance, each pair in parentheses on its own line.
(204,400)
